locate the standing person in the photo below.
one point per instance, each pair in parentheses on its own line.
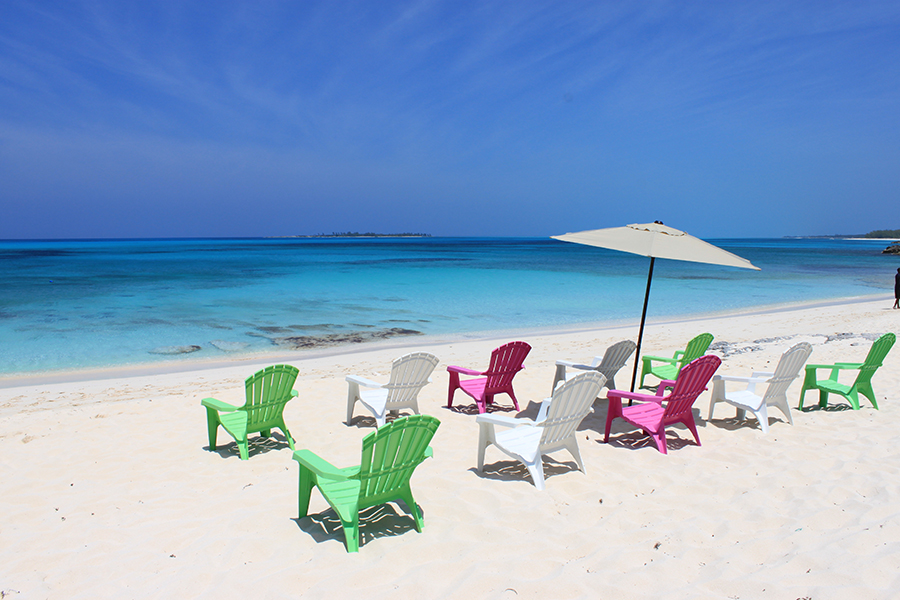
(897,289)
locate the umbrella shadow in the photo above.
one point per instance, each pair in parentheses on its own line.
(375,522)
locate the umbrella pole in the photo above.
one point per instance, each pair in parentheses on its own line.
(637,352)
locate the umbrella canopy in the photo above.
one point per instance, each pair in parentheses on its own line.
(656,241)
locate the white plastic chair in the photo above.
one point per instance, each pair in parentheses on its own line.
(554,429)
(409,374)
(775,395)
(608,365)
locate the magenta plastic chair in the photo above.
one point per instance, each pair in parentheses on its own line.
(651,415)
(506,361)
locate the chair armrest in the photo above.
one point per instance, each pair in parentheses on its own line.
(648,357)
(362,381)
(294,393)
(319,466)
(678,354)
(634,396)
(843,365)
(218,405)
(663,384)
(463,370)
(573,365)
(740,379)
(503,420)
(429,452)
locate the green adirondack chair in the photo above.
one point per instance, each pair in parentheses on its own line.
(389,457)
(267,393)
(863,383)
(671,367)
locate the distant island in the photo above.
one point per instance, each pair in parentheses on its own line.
(356,234)
(877,234)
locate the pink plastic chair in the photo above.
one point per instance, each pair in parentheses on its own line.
(506,361)
(651,416)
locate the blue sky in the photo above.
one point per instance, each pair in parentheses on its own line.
(513,118)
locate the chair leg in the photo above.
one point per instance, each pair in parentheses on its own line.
(689,422)
(212,426)
(407,497)
(853,398)
(287,434)
(823,398)
(352,397)
(614,409)
(572,446)
(483,442)
(660,438)
(781,404)
(307,481)
(869,393)
(266,433)
(454,383)
(351,532)
(536,469)
(560,375)
(762,415)
(244,448)
(513,396)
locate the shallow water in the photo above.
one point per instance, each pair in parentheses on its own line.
(82,304)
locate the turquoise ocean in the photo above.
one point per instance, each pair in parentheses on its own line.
(70,305)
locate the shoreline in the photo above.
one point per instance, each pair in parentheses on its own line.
(397,343)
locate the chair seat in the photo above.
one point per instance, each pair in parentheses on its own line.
(830,385)
(474,387)
(645,412)
(523,441)
(375,400)
(235,423)
(744,399)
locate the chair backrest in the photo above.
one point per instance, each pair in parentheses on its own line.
(506,361)
(875,357)
(695,348)
(409,374)
(570,404)
(615,356)
(391,454)
(787,370)
(267,393)
(690,383)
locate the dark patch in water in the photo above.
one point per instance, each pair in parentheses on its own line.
(175,349)
(301,342)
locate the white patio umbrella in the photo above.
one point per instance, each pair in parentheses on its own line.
(656,241)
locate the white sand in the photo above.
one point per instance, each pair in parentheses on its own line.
(108,492)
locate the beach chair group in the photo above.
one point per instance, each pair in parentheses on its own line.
(391,453)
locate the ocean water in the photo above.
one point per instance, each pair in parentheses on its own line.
(68,305)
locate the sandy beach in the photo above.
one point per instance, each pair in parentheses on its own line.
(109,490)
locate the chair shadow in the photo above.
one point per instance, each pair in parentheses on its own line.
(255,445)
(733,423)
(375,522)
(827,408)
(472,409)
(513,470)
(369,422)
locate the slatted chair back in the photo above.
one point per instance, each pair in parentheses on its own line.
(875,358)
(614,359)
(409,374)
(506,361)
(787,370)
(695,348)
(570,404)
(267,391)
(690,384)
(391,454)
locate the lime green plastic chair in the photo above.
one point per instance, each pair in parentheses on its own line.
(671,367)
(863,383)
(389,457)
(267,393)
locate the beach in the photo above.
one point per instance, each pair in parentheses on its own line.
(109,490)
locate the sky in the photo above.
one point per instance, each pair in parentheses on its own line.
(452,118)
